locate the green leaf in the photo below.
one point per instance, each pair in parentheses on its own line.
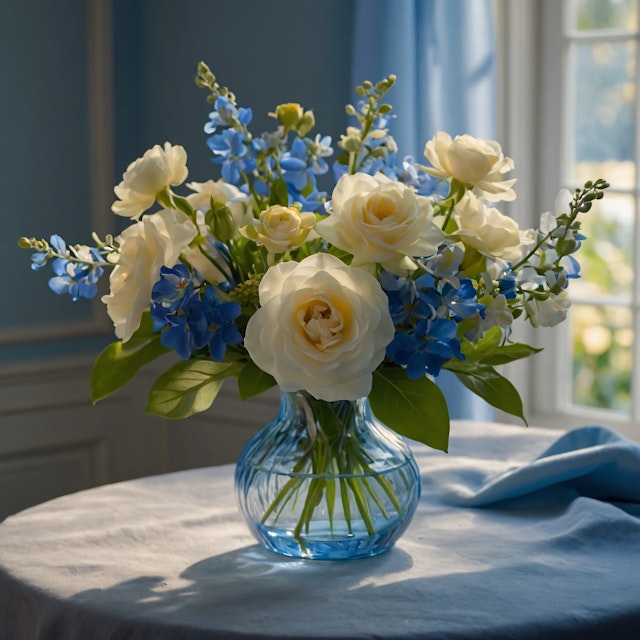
(509,353)
(488,350)
(488,344)
(119,362)
(416,409)
(253,381)
(279,193)
(190,386)
(495,389)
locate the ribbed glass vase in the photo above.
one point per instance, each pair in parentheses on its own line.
(326,480)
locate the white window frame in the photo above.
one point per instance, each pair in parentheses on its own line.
(531,127)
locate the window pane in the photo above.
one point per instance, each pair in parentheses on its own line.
(606,257)
(603,121)
(604,14)
(602,356)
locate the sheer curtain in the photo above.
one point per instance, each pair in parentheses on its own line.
(444,55)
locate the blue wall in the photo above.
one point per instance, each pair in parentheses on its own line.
(266,52)
(43,164)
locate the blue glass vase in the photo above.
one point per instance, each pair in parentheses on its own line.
(327,480)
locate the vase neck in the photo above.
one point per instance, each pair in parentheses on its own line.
(330,418)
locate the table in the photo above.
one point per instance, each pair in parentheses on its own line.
(520,533)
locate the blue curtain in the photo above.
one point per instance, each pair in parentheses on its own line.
(444,55)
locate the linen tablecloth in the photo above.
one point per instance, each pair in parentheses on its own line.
(520,533)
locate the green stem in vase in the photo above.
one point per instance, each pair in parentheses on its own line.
(334,471)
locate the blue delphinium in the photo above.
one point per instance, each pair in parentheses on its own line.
(426,347)
(250,162)
(220,327)
(459,302)
(231,151)
(190,321)
(227,114)
(77,269)
(426,315)
(508,286)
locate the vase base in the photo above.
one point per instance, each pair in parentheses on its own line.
(327,547)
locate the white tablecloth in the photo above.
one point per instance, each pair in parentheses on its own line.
(521,533)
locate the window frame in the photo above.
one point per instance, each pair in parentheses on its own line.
(532,121)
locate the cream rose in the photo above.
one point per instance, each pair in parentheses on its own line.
(146,177)
(145,247)
(487,230)
(322,327)
(280,228)
(472,161)
(379,220)
(549,312)
(224,192)
(204,257)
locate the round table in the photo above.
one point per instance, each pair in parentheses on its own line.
(520,533)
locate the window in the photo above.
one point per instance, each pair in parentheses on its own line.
(569,113)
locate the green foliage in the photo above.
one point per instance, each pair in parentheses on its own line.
(490,350)
(190,386)
(416,409)
(253,381)
(493,388)
(476,371)
(279,193)
(119,362)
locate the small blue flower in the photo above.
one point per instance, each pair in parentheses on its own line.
(458,302)
(231,151)
(422,182)
(402,296)
(221,330)
(173,288)
(226,114)
(77,279)
(508,286)
(190,322)
(426,348)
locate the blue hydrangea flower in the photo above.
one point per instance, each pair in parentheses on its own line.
(190,322)
(406,303)
(220,328)
(171,291)
(458,302)
(425,349)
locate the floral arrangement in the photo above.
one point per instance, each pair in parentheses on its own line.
(401,271)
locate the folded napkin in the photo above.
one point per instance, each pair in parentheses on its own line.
(593,462)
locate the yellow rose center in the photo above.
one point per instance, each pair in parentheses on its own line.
(379,209)
(322,323)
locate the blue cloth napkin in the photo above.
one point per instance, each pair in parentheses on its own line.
(594,462)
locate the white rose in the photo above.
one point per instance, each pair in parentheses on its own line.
(221,191)
(487,230)
(280,228)
(549,312)
(379,220)
(322,327)
(145,247)
(471,161)
(204,257)
(146,177)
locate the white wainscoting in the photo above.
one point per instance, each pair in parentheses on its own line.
(53,441)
